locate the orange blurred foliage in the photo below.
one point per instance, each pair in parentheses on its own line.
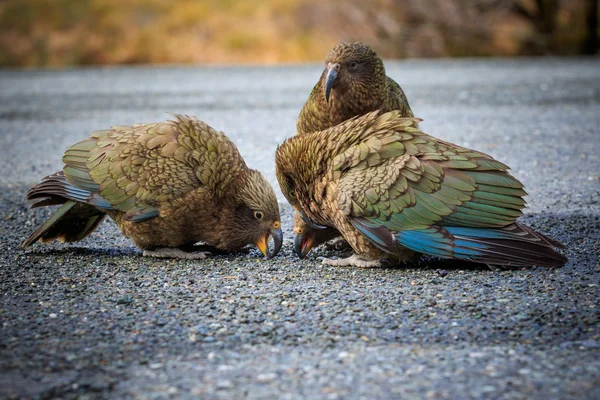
(78,32)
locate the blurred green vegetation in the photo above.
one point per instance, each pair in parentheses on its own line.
(79,32)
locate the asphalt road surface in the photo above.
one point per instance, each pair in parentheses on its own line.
(95,319)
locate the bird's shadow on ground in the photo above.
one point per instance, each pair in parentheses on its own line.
(84,251)
(429,263)
(577,231)
(116,252)
(451,265)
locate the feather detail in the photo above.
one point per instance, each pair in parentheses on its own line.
(431,196)
(514,245)
(71,222)
(138,173)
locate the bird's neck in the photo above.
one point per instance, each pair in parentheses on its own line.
(359,100)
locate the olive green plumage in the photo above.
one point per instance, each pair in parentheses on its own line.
(353,83)
(166,185)
(392,190)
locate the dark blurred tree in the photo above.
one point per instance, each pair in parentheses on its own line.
(543,18)
(591,44)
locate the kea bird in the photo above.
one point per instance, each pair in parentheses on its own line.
(167,186)
(392,191)
(353,83)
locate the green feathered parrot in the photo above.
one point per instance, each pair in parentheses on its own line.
(166,185)
(393,191)
(353,83)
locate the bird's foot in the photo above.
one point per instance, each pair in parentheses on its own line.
(174,252)
(354,261)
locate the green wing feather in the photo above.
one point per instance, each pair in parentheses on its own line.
(400,187)
(403,179)
(71,222)
(136,169)
(436,198)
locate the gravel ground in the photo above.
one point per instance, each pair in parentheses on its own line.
(95,319)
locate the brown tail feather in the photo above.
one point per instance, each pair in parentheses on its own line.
(526,248)
(51,187)
(72,222)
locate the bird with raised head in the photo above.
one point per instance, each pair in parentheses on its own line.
(354,82)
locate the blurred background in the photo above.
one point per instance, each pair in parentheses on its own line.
(82,32)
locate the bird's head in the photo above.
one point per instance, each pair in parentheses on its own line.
(352,67)
(306,237)
(257,215)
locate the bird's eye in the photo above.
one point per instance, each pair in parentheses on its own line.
(354,65)
(258,215)
(292,194)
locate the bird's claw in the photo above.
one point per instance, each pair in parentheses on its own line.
(354,261)
(173,252)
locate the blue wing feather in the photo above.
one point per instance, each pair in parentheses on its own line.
(514,245)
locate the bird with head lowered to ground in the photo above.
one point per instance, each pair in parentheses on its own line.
(393,191)
(305,237)
(167,186)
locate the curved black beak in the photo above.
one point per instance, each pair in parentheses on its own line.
(311,224)
(329,82)
(299,246)
(263,242)
(277,236)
